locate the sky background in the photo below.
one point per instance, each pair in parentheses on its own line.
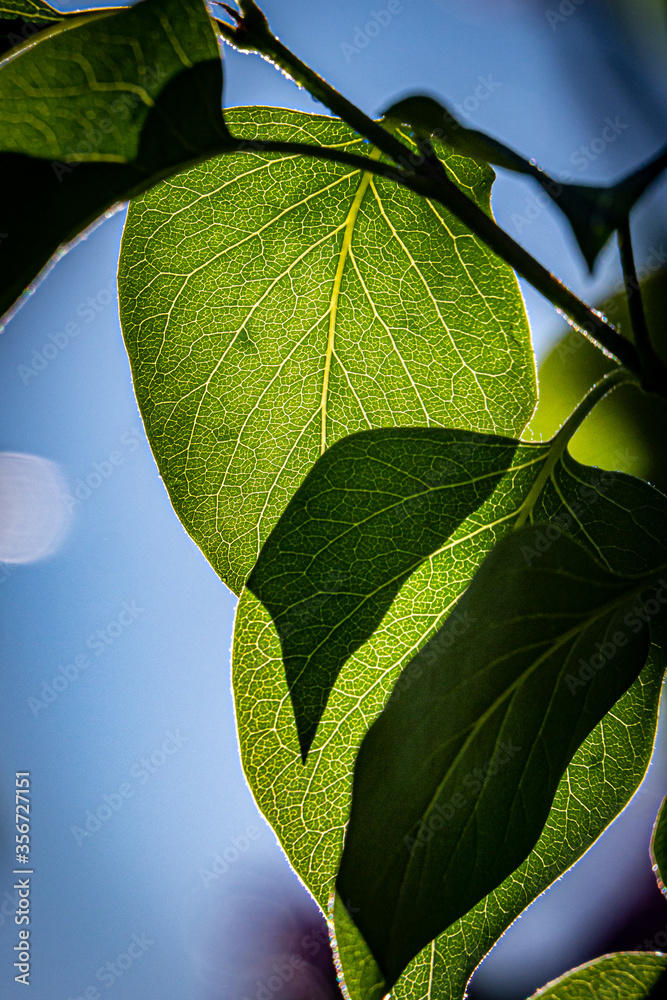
(156,684)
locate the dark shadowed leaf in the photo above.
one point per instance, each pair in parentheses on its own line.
(96,110)
(581,501)
(627,975)
(594,213)
(598,508)
(29,10)
(454,781)
(373,507)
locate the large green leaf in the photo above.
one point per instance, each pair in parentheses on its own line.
(308,805)
(369,512)
(95,110)
(454,781)
(273,304)
(626,975)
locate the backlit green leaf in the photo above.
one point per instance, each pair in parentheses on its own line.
(308,805)
(659,846)
(273,304)
(454,781)
(354,962)
(95,110)
(373,507)
(627,975)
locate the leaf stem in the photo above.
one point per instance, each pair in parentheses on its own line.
(653,371)
(368,164)
(251,33)
(560,441)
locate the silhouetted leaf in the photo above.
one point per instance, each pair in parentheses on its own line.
(97,109)
(594,213)
(454,781)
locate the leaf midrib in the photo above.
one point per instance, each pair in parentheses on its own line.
(343,256)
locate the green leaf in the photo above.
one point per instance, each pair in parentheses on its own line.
(29,10)
(95,110)
(659,846)
(594,213)
(583,807)
(454,781)
(373,507)
(354,962)
(273,304)
(627,975)
(603,775)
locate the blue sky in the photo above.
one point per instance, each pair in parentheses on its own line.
(150,711)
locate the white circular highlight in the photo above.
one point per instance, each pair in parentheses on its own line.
(34,513)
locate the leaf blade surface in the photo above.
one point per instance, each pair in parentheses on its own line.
(454,781)
(582,501)
(311,302)
(621,976)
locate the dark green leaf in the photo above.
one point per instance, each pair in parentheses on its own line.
(96,110)
(599,508)
(28,10)
(627,975)
(594,213)
(272,304)
(373,507)
(659,846)
(454,781)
